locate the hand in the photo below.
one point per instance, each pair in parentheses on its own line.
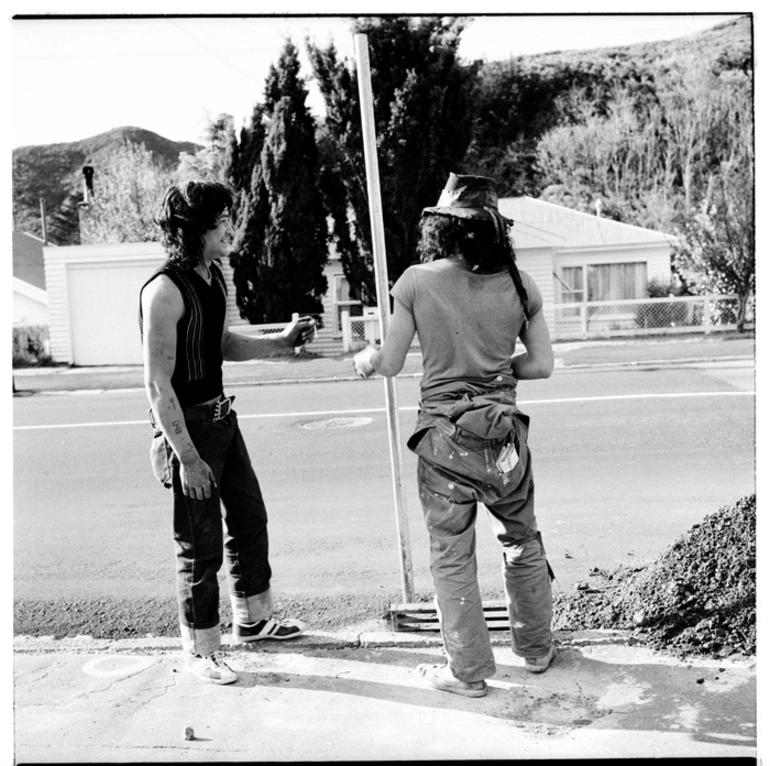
(362,362)
(196,477)
(300,331)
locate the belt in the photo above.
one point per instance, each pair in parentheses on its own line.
(215,411)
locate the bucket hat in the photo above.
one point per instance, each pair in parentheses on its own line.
(470,197)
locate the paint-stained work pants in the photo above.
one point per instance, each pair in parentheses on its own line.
(456,472)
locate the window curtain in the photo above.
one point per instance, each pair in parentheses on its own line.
(617,281)
(571,284)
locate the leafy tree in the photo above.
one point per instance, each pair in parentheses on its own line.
(127,189)
(281,240)
(718,243)
(423,116)
(618,158)
(521,99)
(214,161)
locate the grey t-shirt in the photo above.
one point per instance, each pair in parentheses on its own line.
(467,323)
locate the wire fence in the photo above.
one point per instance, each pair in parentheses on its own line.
(649,316)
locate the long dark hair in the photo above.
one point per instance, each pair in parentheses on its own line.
(477,240)
(187,212)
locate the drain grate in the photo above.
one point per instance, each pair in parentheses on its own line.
(423,616)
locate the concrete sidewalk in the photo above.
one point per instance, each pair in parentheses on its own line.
(354,696)
(284,370)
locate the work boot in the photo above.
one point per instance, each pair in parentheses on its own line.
(540,664)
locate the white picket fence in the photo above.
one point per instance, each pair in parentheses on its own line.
(601,319)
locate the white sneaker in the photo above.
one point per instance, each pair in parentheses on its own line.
(212,668)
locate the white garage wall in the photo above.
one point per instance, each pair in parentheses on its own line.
(104,310)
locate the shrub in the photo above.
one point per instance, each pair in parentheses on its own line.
(30,346)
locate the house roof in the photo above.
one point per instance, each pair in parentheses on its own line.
(575,229)
(28,261)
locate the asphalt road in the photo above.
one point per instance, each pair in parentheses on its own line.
(624,461)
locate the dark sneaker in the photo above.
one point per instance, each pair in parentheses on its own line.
(276,630)
(212,668)
(540,664)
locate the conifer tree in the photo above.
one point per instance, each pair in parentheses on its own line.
(281,240)
(424,116)
(214,161)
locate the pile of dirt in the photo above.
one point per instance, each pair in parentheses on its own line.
(697,598)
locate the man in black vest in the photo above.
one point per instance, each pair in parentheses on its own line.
(198,451)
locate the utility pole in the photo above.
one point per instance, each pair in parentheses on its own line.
(42,221)
(383,304)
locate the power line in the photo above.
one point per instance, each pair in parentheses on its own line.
(212,52)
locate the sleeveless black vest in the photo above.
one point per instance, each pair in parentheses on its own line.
(198,372)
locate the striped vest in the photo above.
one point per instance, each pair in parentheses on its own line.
(198,372)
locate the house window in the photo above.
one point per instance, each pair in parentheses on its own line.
(603,282)
(571,284)
(343,301)
(617,281)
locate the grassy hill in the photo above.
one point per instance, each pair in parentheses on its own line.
(52,171)
(729,42)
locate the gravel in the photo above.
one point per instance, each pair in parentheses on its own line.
(697,598)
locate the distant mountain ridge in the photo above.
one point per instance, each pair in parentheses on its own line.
(94,144)
(52,171)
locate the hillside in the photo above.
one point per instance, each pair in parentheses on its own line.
(523,98)
(729,43)
(52,171)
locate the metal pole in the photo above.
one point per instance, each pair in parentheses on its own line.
(43,221)
(383,304)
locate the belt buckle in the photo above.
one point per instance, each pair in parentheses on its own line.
(222,409)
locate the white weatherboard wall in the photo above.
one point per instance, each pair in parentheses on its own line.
(538,263)
(30,304)
(93,300)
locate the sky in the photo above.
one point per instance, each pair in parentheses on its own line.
(73,78)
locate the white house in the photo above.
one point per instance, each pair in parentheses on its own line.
(30,300)
(93,290)
(590,258)
(576,257)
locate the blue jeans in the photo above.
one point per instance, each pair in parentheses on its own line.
(456,471)
(233,522)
